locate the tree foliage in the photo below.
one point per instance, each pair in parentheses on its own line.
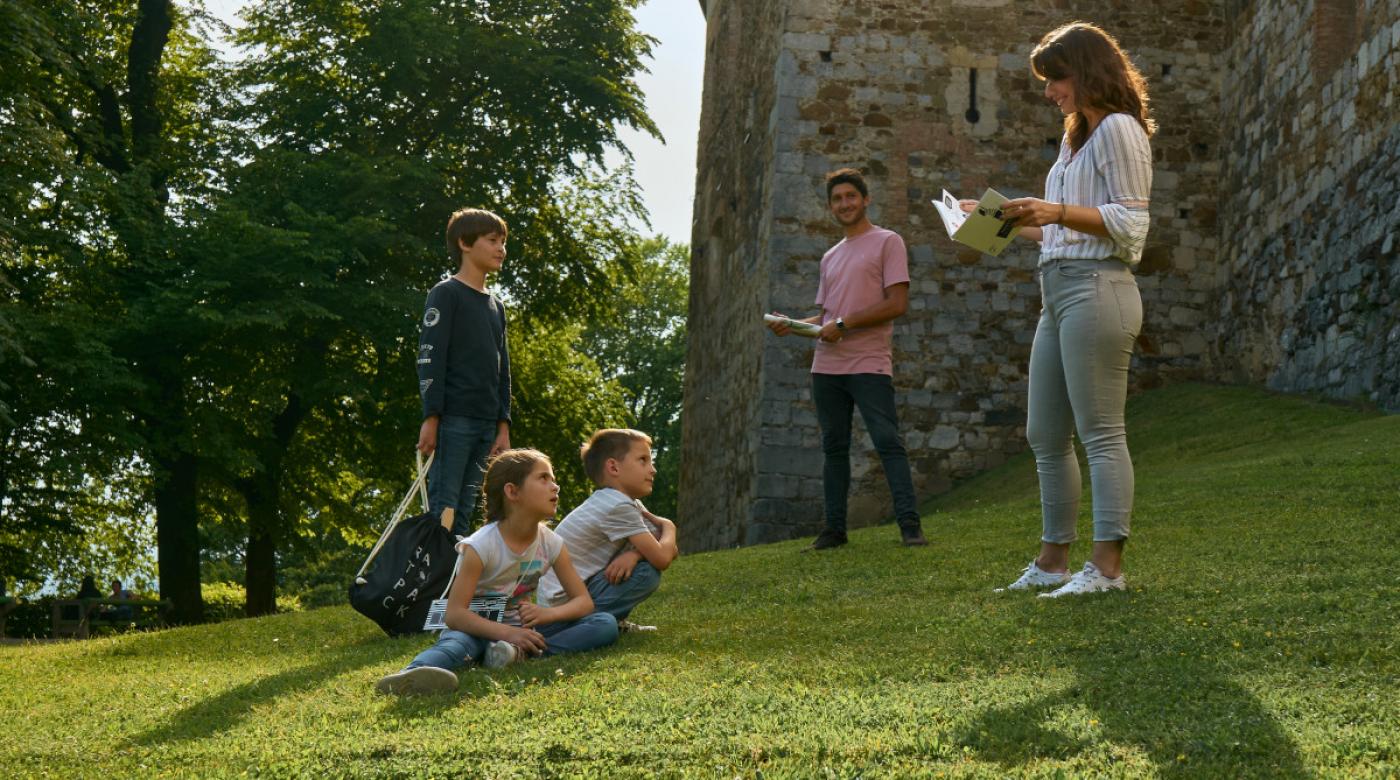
(105,111)
(641,345)
(213,270)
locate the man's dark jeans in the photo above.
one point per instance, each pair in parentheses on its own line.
(835,396)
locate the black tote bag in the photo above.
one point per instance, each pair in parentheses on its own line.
(408,567)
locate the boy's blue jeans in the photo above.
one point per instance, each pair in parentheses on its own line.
(836,396)
(454,648)
(620,599)
(463,445)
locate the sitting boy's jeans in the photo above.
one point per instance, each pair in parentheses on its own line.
(619,599)
(454,648)
(463,445)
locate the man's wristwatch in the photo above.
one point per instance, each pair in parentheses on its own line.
(841,324)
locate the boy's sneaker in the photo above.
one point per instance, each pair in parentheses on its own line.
(912,536)
(828,539)
(1035,577)
(419,679)
(500,654)
(1088,580)
(627,627)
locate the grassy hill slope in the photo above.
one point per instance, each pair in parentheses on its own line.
(1260,637)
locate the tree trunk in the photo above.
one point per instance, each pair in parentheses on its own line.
(177,537)
(262,492)
(260,558)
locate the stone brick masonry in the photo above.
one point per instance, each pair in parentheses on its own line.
(1308,273)
(1272,256)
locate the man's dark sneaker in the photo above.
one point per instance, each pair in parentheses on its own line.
(912,536)
(828,539)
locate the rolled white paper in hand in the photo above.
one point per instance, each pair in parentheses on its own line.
(808,329)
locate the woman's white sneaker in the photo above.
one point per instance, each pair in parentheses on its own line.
(1035,577)
(1088,580)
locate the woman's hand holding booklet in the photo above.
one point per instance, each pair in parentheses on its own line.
(978,224)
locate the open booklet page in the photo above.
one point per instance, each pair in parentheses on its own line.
(983,229)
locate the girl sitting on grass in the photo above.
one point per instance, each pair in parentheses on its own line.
(491,617)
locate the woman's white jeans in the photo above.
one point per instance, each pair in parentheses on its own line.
(1091,313)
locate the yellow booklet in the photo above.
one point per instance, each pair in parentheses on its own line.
(983,229)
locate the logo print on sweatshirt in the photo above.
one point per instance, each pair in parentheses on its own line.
(424,385)
(431,317)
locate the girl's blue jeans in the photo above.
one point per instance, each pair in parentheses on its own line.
(455,648)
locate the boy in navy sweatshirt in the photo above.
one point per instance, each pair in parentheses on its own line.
(464,368)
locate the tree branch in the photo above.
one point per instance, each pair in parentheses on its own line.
(154,19)
(105,143)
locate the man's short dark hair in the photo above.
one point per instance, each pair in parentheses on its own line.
(849,176)
(468,225)
(608,444)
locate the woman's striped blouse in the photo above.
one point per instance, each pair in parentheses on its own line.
(1113,173)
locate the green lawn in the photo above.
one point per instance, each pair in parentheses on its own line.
(1258,638)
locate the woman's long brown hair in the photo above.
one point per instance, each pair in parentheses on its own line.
(1104,78)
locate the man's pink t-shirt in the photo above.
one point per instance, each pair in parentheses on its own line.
(854,275)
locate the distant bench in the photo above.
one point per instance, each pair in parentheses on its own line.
(74,617)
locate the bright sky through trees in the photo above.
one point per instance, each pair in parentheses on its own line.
(666,172)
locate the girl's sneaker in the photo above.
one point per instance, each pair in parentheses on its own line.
(500,654)
(1088,580)
(419,679)
(1035,577)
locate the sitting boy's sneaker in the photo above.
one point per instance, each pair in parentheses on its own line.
(828,539)
(419,679)
(1035,577)
(912,536)
(500,654)
(1088,580)
(627,626)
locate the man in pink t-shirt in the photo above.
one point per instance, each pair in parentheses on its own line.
(864,286)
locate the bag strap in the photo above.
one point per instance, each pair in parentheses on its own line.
(456,568)
(423,473)
(419,486)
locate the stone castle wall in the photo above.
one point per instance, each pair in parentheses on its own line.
(928,96)
(1309,294)
(727,289)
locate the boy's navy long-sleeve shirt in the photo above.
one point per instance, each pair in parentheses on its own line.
(463,360)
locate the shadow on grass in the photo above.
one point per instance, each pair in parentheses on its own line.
(228,709)
(1181,710)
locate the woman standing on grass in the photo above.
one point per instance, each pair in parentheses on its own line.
(1091,227)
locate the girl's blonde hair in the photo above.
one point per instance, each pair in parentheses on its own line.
(1104,77)
(511,467)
